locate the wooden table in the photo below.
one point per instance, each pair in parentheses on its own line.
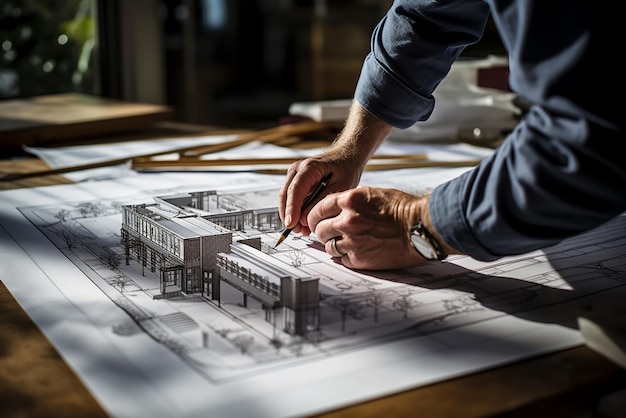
(66,118)
(35,381)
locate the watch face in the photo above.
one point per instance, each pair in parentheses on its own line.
(424,243)
(423,246)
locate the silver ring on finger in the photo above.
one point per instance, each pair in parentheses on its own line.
(334,252)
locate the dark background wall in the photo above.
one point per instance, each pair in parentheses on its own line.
(218,62)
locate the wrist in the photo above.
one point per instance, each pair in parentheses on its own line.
(422,234)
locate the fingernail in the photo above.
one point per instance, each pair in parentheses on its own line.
(287,220)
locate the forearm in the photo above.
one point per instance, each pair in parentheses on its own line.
(361,136)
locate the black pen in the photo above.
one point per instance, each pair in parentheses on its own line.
(308,201)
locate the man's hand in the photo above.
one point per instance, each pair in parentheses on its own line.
(345,159)
(370,227)
(302,178)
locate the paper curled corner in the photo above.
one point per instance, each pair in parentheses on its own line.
(605,333)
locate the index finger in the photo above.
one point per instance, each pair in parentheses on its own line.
(295,192)
(283,193)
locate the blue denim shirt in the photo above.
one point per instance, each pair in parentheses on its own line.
(561,171)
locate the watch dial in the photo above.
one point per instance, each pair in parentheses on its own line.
(423,247)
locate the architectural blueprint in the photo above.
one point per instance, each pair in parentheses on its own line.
(172,301)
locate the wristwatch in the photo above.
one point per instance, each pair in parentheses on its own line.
(425,243)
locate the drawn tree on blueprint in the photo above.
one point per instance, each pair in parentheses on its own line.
(404,303)
(90,209)
(347,307)
(63,215)
(243,342)
(297,258)
(375,299)
(69,238)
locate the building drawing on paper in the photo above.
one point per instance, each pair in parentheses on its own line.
(195,241)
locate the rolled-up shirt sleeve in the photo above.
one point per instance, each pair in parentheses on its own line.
(412,49)
(560,171)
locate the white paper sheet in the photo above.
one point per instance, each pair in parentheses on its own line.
(464,315)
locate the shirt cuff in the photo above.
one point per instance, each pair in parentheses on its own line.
(447,213)
(387,98)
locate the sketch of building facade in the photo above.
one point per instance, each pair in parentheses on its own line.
(274,284)
(195,241)
(181,249)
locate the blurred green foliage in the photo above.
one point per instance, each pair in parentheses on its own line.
(47,47)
